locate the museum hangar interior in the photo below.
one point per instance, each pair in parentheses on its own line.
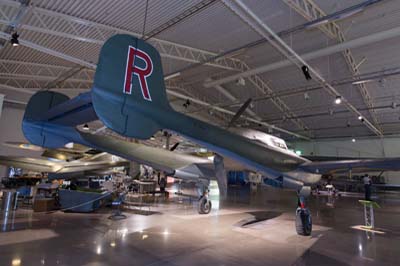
(230,132)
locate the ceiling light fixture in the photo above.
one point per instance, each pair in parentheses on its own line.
(353,140)
(361,81)
(338,99)
(186,104)
(14,39)
(171,76)
(306,72)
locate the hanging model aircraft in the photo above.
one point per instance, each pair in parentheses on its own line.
(77,160)
(129,97)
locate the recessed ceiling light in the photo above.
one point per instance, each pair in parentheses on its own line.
(338,99)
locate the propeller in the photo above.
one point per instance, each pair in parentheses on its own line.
(175,146)
(239,112)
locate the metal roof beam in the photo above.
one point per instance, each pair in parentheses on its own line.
(369,39)
(166,49)
(310,11)
(103,32)
(226,111)
(240,9)
(12,25)
(39,77)
(6,36)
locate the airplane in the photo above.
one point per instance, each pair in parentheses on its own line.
(74,161)
(70,169)
(129,97)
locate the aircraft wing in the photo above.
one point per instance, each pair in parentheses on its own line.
(160,159)
(363,165)
(43,165)
(89,166)
(38,165)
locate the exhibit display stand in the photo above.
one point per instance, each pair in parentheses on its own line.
(369,213)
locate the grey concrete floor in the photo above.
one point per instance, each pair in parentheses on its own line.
(247,229)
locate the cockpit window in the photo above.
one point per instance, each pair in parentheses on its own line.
(279,144)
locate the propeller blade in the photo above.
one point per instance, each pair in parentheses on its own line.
(239,112)
(175,146)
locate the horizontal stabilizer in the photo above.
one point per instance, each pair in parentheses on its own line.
(57,108)
(48,113)
(76,111)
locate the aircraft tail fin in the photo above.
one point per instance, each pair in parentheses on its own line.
(129,86)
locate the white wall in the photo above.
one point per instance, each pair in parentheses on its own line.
(10,130)
(1,102)
(368,147)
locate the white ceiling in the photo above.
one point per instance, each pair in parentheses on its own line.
(59,37)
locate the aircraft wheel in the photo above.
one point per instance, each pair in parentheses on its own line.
(204,205)
(303,222)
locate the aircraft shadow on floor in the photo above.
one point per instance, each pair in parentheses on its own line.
(258,216)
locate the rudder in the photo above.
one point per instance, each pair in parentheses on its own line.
(128,86)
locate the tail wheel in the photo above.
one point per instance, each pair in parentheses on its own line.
(204,205)
(303,222)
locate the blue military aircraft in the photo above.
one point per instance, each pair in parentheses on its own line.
(129,97)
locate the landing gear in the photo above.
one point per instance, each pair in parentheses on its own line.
(204,205)
(303,219)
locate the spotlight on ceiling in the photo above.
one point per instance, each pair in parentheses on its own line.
(338,99)
(86,127)
(353,140)
(360,117)
(14,39)
(241,82)
(186,104)
(306,72)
